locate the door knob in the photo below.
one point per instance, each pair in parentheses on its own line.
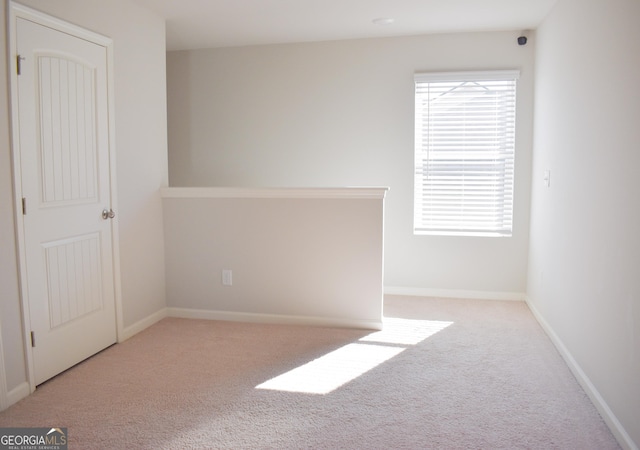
(108,214)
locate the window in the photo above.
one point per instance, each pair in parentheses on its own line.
(464,153)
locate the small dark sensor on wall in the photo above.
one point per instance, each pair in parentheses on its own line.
(522,40)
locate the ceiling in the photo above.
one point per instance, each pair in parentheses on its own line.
(227,23)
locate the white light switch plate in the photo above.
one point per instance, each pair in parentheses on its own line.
(227,277)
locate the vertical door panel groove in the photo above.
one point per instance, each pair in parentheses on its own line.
(67,137)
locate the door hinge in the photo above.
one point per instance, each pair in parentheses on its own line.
(24,206)
(19,60)
(33,339)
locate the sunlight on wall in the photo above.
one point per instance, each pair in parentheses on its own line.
(329,372)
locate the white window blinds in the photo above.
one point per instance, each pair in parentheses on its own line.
(464,153)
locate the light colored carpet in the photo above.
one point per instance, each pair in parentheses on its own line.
(459,374)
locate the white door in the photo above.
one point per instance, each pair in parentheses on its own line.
(63,140)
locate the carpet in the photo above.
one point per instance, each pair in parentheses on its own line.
(443,374)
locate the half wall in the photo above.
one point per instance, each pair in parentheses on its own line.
(310,255)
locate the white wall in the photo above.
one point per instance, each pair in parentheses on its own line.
(141,154)
(341,114)
(297,255)
(584,266)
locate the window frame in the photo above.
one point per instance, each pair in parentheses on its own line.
(440,220)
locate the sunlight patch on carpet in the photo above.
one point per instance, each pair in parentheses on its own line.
(335,369)
(329,372)
(405,331)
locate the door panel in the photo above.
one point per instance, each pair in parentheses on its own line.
(67,122)
(65,179)
(74,280)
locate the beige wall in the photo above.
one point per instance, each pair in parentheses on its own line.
(584,261)
(141,155)
(341,114)
(302,256)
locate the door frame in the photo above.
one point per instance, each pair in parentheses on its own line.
(16,11)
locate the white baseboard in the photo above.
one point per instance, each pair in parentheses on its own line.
(142,325)
(611,420)
(18,393)
(186,313)
(454,293)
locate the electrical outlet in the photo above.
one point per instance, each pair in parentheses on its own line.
(227,277)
